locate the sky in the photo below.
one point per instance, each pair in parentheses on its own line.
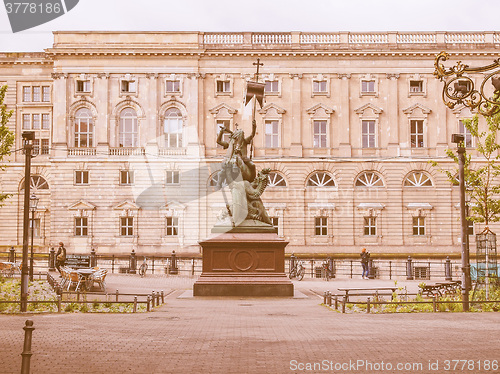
(256,15)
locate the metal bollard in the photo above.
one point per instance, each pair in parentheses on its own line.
(158,299)
(28,331)
(336,302)
(343,304)
(12,254)
(329,299)
(447,269)
(77,295)
(132,266)
(173,264)
(325,296)
(93,258)
(434,306)
(192,268)
(368,305)
(135,304)
(148,308)
(409,269)
(152,299)
(59,304)
(117,293)
(162,297)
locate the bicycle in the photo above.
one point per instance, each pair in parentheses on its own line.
(143,268)
(298,271)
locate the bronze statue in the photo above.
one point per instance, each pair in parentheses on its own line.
(239,172)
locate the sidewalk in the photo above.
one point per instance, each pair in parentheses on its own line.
(248,335)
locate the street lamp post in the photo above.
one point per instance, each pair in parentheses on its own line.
(33,206)
(28,138)
(466,283)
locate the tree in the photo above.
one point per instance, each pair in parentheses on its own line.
(6,136)
(481,178)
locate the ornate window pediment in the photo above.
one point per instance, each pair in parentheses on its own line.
(369,111)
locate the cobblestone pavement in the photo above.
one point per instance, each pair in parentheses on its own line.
(250,335)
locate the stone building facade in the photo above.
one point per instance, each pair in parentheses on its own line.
(126,126)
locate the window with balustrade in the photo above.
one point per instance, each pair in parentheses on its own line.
(83,128)
(172,128)
(128,133)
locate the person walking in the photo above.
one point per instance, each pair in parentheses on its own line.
(365,258)
(60,256)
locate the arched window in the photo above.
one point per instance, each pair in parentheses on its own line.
(172,128)
(37,183)
(320,179)
(128,128)
(369,179)
(276,180)
(417,179)
(84,128)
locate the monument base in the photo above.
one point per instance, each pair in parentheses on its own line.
(243,264)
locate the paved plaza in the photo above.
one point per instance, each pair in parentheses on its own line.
(251,335)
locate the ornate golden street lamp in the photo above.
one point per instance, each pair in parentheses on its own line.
(459,88)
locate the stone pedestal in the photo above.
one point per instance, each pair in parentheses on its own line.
(243,264)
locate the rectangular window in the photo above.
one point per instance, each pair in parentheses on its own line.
(418,226)
(36,121)
(172,177)
(81,177)
(172,86)
(466,133)
(36,147)
(46,94)
(128,86)
(36,93)
(81,226)
(319,86)
(45,147)
(272,134)
(416,86)
(26,121)
(370,228)
(321,226)
(26,93)
(172,226)
(319,135)
(126,177)
(417,133)
(271,87)
(83,86)
(34,227)
(368,133)
(45,121)
(126,226)
(223,86)
(368,86)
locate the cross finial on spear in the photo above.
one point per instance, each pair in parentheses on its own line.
(258,64)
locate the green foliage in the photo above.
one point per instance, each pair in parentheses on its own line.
(6,136)
(480,177)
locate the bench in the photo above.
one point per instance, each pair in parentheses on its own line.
(368,291)
(439,288)
(77,261)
